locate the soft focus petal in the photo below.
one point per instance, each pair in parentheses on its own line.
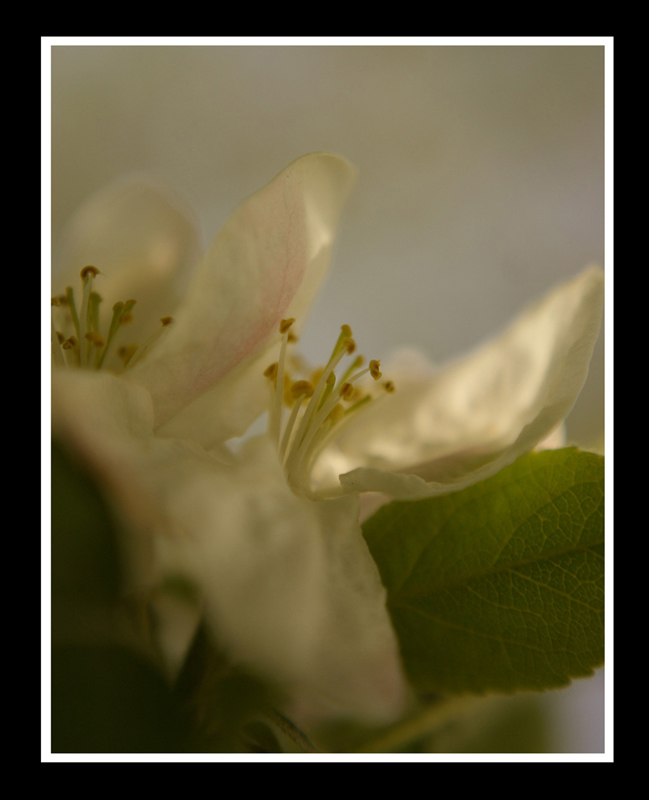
(443,432)
(227,410)
(266,264)
(106,423)
(142,240)
(290,586)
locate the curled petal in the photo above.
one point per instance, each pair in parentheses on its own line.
(448,430)
(266,263)
(141,239)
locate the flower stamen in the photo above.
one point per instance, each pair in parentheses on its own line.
(77,339)
(307,430)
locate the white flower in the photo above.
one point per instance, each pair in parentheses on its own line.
(268,531)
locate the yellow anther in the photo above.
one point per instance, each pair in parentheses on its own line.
(350,346)
(166,321)
(89,271)
(346,331)
(271,371)
(95,338)
(60,338)
(118,306)
(125,319)
(285,324)
(374,369)
(56,301)
(300,388)
(292,338)
(389,387)
(346,391)
(69,343)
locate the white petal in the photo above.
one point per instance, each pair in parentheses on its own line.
(142,240)
(266,264)
(291,588)
(442,433)
(227,409)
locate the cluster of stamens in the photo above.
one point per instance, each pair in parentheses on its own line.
(77,338)
(319,407)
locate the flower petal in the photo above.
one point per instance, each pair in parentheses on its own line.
(266,264)
(143,242)
(443,432)
(289,585)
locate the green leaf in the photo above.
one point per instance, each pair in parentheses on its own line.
(499,587)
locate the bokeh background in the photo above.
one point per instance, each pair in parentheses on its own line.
(481,185)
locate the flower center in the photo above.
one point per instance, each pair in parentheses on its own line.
(77,337)
(320,406)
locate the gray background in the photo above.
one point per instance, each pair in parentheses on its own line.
(481,183)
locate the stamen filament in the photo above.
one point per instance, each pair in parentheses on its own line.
(302,449)
(148,344)
(289,427)
(329,387)
(93,312)
(354,365)
(87,276)
(313,405)
(358,375)
(334,431)
(311,426)
(118,308)
(69,296)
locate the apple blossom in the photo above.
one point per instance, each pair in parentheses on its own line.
(269,530)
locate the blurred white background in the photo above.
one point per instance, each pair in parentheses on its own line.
(481,184)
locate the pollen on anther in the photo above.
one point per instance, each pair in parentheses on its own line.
(347,391)
(89,270)
(350,346)
(374,369)
(166,321)
(271,371)
(389,387)
(69,343)
(285,324)
(96,338)
(300,388)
